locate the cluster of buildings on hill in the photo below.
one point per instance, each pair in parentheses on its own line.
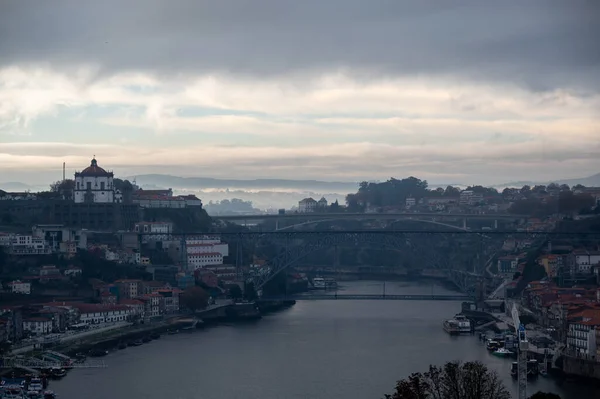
(571,313)
(120,301)
(174,262)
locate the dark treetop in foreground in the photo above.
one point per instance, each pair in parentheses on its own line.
(456,380)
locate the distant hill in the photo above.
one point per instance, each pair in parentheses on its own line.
(14,186)
(590,181)
(203,183)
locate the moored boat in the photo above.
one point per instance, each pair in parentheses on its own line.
(502,352)
(492,345)
(457,325)
(49,395)
(320,283)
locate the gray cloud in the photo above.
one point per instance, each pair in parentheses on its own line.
(538,44)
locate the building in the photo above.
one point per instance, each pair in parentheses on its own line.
(61,239)
(552,264)
(223,272)
(95,185)
(168,274)
(307,205)
(203,251)
(507,265)
(18,196)
(27,245)
(129,289)
(100,313)
(468,197)
(37,325)
(582,261)
(152,305)
(322,203)
(154,231)
(191,200)
(158,201)
(73,271)
(581,334)
(20,287)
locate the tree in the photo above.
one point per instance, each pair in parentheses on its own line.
(64,188)
(194,298)
(235,292)
(250,292)
(455,380)
(544,395)
(525,190)
(451,191)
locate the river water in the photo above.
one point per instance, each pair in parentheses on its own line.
(316,349)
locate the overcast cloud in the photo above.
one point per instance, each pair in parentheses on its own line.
(339,89)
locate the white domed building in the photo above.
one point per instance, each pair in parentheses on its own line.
(95,185)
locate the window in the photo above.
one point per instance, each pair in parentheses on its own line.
(88,185)
(102,186)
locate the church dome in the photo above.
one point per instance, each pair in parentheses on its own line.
(94,170)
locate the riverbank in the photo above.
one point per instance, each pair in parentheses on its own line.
(107,339)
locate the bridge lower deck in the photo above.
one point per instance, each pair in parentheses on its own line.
(369,297)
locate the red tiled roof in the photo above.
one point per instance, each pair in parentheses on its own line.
(94,170)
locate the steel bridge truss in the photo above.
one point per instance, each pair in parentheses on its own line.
(432,249)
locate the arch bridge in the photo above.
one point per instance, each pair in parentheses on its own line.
(299,219)
(433,250)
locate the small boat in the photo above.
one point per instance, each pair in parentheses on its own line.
(320,283)
(58,372)
(543,373)
(98,352)
(457,325)
(155,335)
(492,345)
(514,369)
(501,352)
(49,395)
(532,368)
(137,342)
(146,339)
(171,332)
(122,345)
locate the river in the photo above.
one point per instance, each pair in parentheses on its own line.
(315,349)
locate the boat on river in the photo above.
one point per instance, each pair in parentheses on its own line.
(502,352)
(457,325)
(321,283)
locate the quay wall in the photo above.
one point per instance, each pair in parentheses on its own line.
(581,367)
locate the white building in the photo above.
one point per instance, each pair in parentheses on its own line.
(410,202)
(581,336)
(154,231)
(20,287)
(61,239)
(94,185)
(203,251)
(37,325)
(583,261)
(307,205)
(99,314)
(322,203)
(198,261)
(27,245)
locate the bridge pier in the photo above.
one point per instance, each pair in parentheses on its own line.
(495,224)
(465,223)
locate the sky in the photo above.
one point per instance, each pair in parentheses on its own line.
(469,92)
